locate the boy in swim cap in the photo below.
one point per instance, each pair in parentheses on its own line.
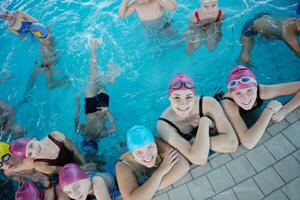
(245,96)
(80,185)
(7,124)
(206,25)
(269,27)
(18,168)
(149,165)
(30,191)
(96,107)
(186,123)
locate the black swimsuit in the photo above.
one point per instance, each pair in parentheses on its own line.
(93,104)
(193,133)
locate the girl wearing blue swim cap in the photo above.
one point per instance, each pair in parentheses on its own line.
(150,165)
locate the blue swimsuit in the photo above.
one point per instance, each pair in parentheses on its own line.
(25,28)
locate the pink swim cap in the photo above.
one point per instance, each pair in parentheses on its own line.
(18,147)
(239,72)
(181,77)
(29,191)
(70,173)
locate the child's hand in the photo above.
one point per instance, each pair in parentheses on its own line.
(278,116)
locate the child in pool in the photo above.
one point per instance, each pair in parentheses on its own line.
(49,154)
(96,105)
(245,97)
(285,29)
(151,12)
(19,22)
(18,168)
(149,165)
(79,185)
(206,25)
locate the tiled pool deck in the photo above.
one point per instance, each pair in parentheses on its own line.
(270,171)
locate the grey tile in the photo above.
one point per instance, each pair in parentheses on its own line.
(186,178)
(293,116)
(297,155)
(279,146)
(240,169)
(161,197)
(228,194)
(292,133)
(248,190)
(180,193)
(292,189)
(268,180)
(220,160)
(200,170)
(164,190)
(277,195)
(264,138)
(220,179)
(260,158)
(277,127)
(200,188)
(241,150)
(288,168)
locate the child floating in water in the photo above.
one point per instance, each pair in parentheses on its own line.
(151,12)
(206,25)
(271,28)
(96,106)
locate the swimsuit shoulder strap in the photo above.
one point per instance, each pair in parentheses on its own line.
(48,161)
(197,16)
(55,141)
(171,124)
(259,101)
(219,16)
(201,107)
(228,98)
(127,163)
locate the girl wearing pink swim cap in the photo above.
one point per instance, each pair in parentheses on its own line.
(185,124)
(245,95)
(49,154)
(30,191)
(80,185)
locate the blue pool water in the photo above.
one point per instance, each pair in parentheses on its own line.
(139,95)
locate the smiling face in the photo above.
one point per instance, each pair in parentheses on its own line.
(209,7)
(182,102)
(78,190)
(33,149)
(146,155)
(245,98)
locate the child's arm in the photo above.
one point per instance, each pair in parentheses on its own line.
(77,117)
(27,17)
(126,10)
(168,4)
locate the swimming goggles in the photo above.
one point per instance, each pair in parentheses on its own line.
(5,158)
(180,84)
(243,80)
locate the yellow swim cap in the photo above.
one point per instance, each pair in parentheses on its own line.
(4,149)
(38,34)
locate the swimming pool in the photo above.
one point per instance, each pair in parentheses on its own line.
(139,95)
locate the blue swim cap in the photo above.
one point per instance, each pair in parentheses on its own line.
(138,136)
(39,30)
